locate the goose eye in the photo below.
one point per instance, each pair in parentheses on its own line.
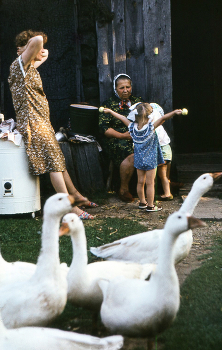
(179,217)
(204,177)
(60,199)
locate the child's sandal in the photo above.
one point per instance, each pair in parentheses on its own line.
(142,205)
(85,216)
(153,209)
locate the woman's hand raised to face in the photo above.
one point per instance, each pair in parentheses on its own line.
(33,50)
(45,53)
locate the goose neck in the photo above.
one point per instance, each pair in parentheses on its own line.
(79,245)
(165,263)
(191,201)
(50,242)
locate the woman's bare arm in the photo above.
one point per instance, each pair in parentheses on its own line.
(118,135)
(31,49)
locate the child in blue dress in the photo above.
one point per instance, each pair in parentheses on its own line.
(147,151)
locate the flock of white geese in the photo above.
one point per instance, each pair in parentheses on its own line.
(136,292)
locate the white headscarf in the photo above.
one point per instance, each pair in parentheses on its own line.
(114,81)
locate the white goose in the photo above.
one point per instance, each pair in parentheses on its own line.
(143,247)
(37,301)
(18,270)
(11,272)
(138,308)
(36,338)
(83,289)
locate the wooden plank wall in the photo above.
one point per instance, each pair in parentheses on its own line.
(126,45)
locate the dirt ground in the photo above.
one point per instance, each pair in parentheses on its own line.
(201,245)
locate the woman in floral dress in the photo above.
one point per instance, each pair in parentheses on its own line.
(33,117)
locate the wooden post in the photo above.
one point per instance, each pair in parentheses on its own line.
(157,47)
(104,62)
(135,62)
(78,66)
(118,32)
(105,58)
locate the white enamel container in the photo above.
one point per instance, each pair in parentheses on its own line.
(19,190)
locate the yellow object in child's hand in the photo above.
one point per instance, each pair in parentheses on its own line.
(184,111)
(101,109)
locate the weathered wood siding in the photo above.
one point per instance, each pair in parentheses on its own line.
(127,45)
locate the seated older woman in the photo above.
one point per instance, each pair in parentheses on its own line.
(116,140)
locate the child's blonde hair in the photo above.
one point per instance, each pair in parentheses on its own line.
(143,109)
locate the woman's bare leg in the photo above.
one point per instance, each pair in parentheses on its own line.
(150,186)
(71,188)
(126,172)
(141,180)
(62,183)
(58,182)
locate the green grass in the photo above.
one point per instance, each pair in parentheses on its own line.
(20,238)
(198,325)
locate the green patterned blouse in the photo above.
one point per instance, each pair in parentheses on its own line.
(115,149)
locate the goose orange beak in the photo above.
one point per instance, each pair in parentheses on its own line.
(216,176)
(64,229)
(194,222)
(71,199)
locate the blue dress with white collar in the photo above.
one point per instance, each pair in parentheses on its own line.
(147,150)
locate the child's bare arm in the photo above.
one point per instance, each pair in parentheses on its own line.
(118,116)
(167,116)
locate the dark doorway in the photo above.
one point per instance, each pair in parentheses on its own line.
(197,74)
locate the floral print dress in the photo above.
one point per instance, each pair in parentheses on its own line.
(32,117)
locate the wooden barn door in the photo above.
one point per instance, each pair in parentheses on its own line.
(197,74)
(137,42)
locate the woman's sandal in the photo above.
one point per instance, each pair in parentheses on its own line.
(85,216)
(89,204)
(154,208)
